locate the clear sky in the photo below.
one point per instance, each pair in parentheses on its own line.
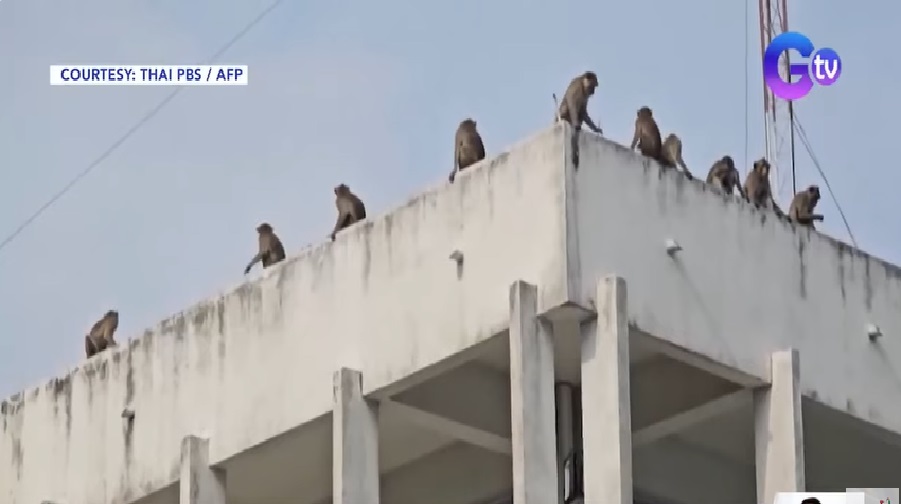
(366,93)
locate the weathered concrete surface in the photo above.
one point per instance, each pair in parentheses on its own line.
(745,284)
(258,360)
(384,299)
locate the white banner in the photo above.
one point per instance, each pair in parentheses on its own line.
(148,75)
(850,496)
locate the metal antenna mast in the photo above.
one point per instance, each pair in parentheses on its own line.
(779,114)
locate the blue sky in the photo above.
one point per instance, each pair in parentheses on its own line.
(366,93)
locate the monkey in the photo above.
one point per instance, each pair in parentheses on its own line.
(574,108)
(468,147)
(647,135)
(350,208)
(801,209)
(758,190)
(271,251)
(100,337)
(671,154)
(724,176)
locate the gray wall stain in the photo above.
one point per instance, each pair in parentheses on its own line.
(840,253)
(802,266)
(867,285)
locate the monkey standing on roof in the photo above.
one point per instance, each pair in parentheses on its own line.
(671,155)
(724,176)
(574,108)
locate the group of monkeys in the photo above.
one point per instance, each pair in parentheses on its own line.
(469,149)
(723,175)
(270,252)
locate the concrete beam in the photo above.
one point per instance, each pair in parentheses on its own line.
(355,454)
(428,373)
(199,483)
(459,473)
(701,362)
(472,394)
(446,426)
(691,417)
(677,472)
(778,429)
(606,394)
(531,400)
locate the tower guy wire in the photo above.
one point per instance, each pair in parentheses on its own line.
(131,131)
(802,135)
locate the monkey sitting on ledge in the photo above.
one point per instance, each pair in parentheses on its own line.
(270,250)
(801,209)
(350,209)
(100,337)
(468,147)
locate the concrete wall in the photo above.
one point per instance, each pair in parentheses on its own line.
(744,285)
(384,298)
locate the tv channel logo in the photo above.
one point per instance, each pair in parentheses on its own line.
(826,66)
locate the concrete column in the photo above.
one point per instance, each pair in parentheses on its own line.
(779,436)
(531,400)
(606,406)
(565,434)
(199,483)
(355,452)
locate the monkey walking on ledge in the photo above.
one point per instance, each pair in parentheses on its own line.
(100,337)
(724,176)
(574,108)
(270,251)
(671,155)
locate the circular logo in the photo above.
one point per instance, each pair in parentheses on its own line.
(826,66)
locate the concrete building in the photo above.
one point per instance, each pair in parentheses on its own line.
(697,350)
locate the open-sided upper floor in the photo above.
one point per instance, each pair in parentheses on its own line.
(388,299)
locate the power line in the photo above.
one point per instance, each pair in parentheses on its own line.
(802,135)
(142,121)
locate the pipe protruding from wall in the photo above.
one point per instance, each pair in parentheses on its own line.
(672,246)
(873,332)
(457,257)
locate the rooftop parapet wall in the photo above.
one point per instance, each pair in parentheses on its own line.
(745,283)
(385,298)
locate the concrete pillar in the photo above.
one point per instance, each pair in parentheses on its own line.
(779,436)
(355,452)
(565,434)
(606,407)
(199,483)
(531,400)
